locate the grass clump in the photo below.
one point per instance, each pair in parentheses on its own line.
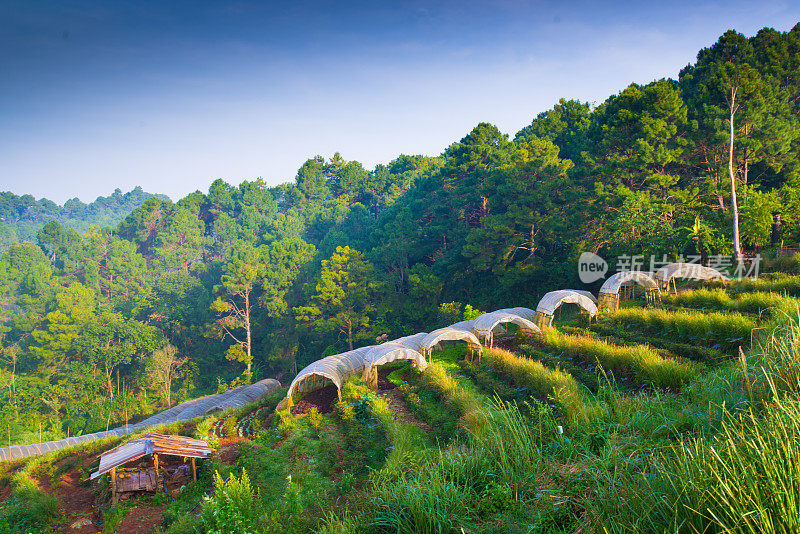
(472,485)
(745,478)
(552,384)
(723,331)
(641,363)
(28,509)
(615,334)
(754,303)
(782,283)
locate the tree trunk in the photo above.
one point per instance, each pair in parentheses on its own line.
(350,335)
(737,249)
(249,339)
(109,384)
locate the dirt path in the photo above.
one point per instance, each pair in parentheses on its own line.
(141,520)
(401,411)
(78,503)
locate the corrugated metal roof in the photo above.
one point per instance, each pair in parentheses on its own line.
(149,444)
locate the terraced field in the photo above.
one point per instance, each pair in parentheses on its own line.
(601,427)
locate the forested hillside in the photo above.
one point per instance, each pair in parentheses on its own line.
(21,217)
(251,279)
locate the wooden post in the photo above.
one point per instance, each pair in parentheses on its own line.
(194,471)
(155,461)
(113,485)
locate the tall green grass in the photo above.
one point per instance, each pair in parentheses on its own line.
(723,331)
(742,475)
(467,485)
(718,299)
(744,479)
(553,384)
(615,334)
(463,400)
(28,509)
(782,283)
(643,364)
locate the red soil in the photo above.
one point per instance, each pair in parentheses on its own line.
(77,501)
(229,450)
(383,379)
(141,520)
(322,399)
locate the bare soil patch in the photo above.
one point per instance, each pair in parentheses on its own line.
(229,450)
(322,399)
(141,520)
(384,384)
(78,502)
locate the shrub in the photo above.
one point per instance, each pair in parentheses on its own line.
(229,426)
(344,524)
(28,509)
(233,509)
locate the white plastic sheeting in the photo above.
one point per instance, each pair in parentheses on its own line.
(551,301)
(587,294)
(414,341)
(468,326)
(614,282)
(525,313)
(390,352)
(486,324)
(691,271)
(336,368)
(449,333)
(185,411)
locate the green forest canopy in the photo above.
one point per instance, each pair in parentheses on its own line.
(21,217)
(260,279)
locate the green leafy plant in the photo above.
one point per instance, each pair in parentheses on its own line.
(234,508)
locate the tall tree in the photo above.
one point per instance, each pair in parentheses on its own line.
(731,94)
(344,296)
(162,368)
(242,273)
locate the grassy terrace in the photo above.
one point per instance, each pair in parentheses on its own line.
(645,422)
(721,331)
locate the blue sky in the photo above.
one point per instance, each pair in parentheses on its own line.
(170,96)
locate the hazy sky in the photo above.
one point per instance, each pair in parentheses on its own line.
(99,95)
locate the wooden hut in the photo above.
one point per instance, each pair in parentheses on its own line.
(150,476)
